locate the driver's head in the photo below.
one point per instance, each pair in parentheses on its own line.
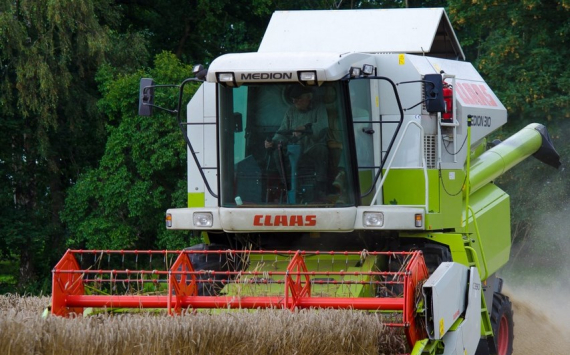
(301,97)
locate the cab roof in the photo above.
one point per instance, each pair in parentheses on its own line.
(417,31)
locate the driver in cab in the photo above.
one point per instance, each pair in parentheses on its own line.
(305,123)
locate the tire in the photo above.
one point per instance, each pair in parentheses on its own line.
(503,324)
(433,254)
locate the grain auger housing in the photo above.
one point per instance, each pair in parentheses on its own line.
(337,167)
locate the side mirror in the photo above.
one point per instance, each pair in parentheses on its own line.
(200,72)
(433,92)
(146,97)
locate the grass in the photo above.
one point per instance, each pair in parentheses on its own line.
(275,332)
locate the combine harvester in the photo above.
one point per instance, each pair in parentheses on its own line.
(343,165)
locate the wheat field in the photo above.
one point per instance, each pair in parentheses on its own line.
(23,330)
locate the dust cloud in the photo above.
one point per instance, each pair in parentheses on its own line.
(537,280)
(541,321)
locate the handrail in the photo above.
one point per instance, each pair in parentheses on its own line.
(424,165)
(484,273)
(183,125)
(389,148)
(183,130)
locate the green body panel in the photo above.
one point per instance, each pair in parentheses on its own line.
(488,236)
(427,347)
(366,178)
(490,232)
(250,285)
(196,199)
(406,187)
(449,187)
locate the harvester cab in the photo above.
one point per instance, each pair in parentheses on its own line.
(343,167)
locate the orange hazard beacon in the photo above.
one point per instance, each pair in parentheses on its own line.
(337,167)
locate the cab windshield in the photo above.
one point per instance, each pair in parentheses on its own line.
(284,145)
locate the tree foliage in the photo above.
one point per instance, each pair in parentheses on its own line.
(50,52)
(121,203)
(521,49)
(196,31)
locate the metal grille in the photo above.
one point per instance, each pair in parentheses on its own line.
(423,93)
(430,150)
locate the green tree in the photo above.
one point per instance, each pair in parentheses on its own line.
(521,49)
(51,127)
(197,31)
(121,203)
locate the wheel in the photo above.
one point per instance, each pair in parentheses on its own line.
(502,323)
(433,254)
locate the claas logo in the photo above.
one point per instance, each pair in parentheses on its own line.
(261,220)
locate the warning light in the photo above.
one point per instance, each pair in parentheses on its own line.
(419,221)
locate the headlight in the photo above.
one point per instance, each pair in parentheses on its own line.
(307,77)
(203,219)
(367,69)
(226,79)
(354,72)
(373,219)
(223,77)
(168,220)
